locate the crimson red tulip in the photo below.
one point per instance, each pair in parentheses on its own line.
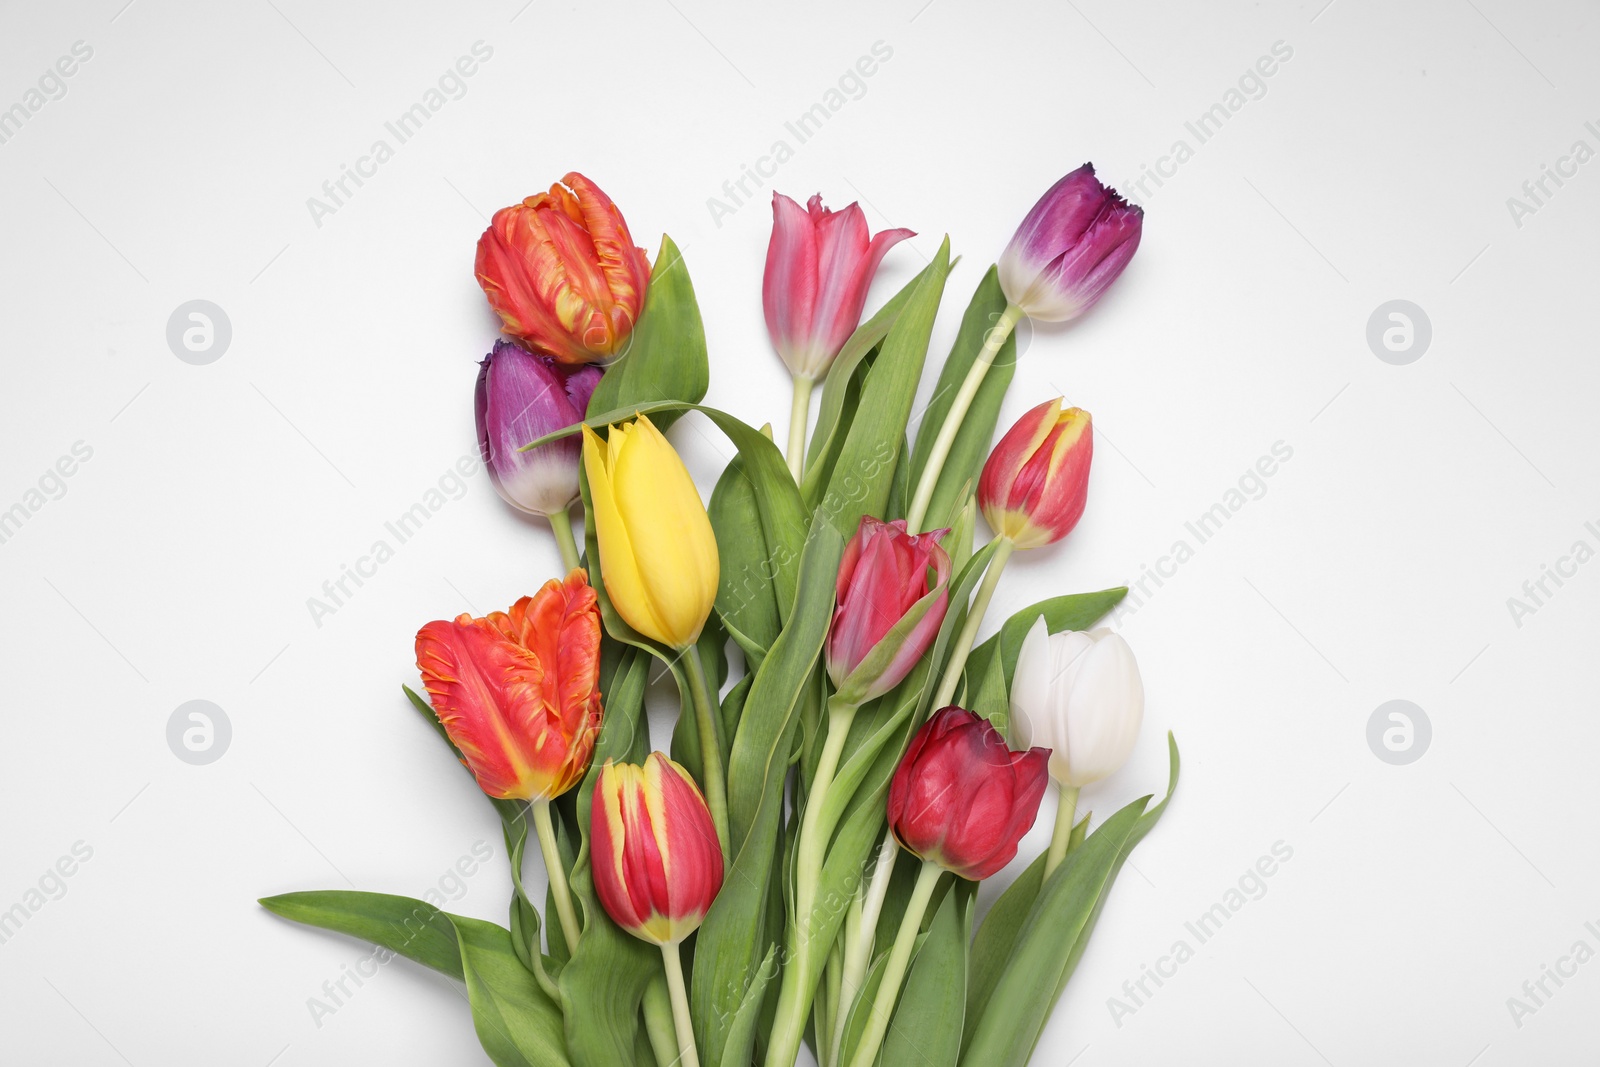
(961,798)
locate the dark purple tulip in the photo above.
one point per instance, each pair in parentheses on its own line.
(522,397)
(1071,247)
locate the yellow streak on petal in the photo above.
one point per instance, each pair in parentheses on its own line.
(610,786)
(1076,422)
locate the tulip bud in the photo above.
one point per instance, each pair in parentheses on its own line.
(657,552)
(961,799)
(1070,248)
(562,272)
(522,397)
(518,692)
(893,590)
(819,266)
(1036,481)
(654,853)
(1079,695)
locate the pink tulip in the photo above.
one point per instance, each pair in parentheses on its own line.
(819,266)
(894,590)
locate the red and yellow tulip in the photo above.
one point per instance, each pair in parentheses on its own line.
(657,863)
(518,692)
(1036,481)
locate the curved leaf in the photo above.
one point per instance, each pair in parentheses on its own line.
(666,356)
(971,446)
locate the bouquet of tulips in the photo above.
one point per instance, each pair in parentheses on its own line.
(849,761)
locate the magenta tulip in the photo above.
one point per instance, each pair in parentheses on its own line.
(893,590)
(1070,248)
(819,266)
(521,397)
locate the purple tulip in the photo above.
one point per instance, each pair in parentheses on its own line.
(522,397)
(1071,247)
(819,265)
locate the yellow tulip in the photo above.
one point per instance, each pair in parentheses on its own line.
(658,555)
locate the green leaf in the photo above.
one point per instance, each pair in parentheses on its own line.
(735,935)
(412,928)
(841,394)
(861,1010)
(746,600)
(997,936)
(1052,939)
(972,441)
(926,1031)
(516,1023)
(860,481)
(741,1040)
(666,353)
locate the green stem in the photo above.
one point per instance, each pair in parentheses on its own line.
(687,1056)
(969,630)
(556,873)
(858,948)
(894,972)
(561,523)
(705,721)
(957,414)
(1066,814)
(799,415)
(799,985)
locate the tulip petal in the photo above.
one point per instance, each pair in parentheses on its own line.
(618,565)
(653,491)
(789,286)
(1107,710)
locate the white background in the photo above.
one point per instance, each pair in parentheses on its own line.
(1377,565)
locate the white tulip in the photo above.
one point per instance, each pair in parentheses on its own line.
(1078,694)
